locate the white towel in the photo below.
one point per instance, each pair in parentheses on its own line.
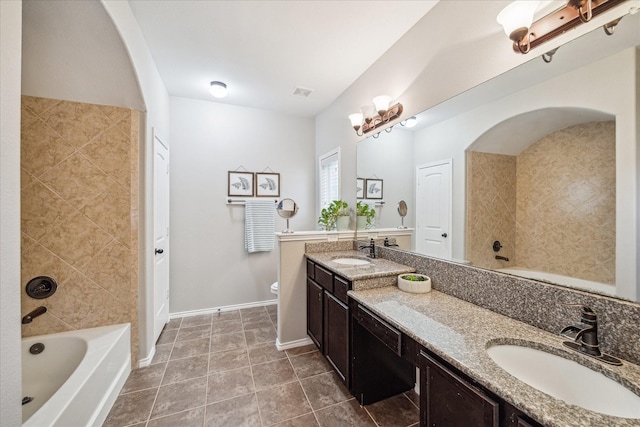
(259,225)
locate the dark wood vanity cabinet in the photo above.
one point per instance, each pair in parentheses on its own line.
(328,316)
(450,399)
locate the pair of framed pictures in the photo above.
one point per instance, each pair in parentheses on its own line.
(250,184)
(369,189)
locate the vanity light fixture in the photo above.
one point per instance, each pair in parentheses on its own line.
(373,116)
(218,89)
(518,24)
(410,122)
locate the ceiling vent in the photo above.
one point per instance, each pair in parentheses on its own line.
(300,91)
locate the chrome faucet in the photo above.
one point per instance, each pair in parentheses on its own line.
(585,337)
(372,248)
(33,314)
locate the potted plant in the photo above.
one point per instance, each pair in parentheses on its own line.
(332,215)
(365,215)
(414,283)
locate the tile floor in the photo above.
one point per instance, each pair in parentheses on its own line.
(224,370)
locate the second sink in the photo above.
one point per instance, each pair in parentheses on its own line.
(351,261)
(567,380)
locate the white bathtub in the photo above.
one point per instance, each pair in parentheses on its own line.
(558,279)
(77,378)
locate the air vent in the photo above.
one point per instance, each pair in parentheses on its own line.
(300,91)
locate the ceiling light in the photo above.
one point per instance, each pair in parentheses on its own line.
(517,20)
(218,89)
(411,122)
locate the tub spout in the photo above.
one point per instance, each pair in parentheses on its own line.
(35,313)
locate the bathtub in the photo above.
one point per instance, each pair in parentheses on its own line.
(76,379)
(558,279)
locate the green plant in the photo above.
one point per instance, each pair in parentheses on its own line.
(330,214)
(363,209)
(414,278)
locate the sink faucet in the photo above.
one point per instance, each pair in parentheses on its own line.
(585,337)
(33,314)
(372,248)
(387,243)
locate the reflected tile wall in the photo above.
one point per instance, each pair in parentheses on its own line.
(552,207)
(79,213)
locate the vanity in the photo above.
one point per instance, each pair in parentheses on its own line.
(375,335)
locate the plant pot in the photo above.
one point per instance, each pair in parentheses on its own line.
(414,286)
(361,222)
(342,223)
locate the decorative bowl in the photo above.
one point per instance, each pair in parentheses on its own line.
(414,283)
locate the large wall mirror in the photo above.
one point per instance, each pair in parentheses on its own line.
(532,173)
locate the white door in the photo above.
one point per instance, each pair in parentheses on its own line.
(161,234)
(433,209)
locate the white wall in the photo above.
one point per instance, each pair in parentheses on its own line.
(209,265)
(450,139)
(10,366)
(156,100)
(389,157)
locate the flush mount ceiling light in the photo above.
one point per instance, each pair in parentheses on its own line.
(518,24)
(372,116)
(218,89)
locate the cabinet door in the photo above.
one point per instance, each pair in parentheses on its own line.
(448,400)
(336,335)
(314,312)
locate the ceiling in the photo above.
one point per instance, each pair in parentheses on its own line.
(264,50)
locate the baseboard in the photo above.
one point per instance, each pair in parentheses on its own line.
(292,344)
(214,310)
(147,360)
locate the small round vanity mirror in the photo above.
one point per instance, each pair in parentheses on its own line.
(402,211)
(287,208)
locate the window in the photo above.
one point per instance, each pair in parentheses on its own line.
(329,178)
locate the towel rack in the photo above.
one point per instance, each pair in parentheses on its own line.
(231,201)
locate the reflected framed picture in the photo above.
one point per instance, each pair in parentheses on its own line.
(240,184)
(359,188)
(373,188)
(267,184)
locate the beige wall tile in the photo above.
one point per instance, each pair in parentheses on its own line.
(77,123)
(42,210)
(111,211)
(111,151)
(39,105)
(111,270)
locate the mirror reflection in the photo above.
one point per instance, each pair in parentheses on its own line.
(534,159)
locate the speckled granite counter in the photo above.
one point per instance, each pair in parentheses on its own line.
(459,332)
(379,272)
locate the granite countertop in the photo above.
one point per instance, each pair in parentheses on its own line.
(459,332)
(358,274)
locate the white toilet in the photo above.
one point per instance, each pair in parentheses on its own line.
(274,288)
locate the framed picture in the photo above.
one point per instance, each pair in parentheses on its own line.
(240,184)
(374,189)
(267,184)
(359,188)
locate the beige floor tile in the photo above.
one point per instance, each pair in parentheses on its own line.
(227,342)
(189,418)
(184,369)
(273,373)
(237,412)
(194,332)
(131,408)
(179,397)
(227,360)
(325,390)
(310,364)
(265,352)
(144,378)
(397,411)
(348,413)
(228,384)
(182,349)
(282,402)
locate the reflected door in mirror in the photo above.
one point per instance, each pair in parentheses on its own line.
(434,209)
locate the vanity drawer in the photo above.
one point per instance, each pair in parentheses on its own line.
(386,333)
(340,288)
(310,269)
(324,278)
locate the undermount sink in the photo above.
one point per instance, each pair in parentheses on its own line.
(567,380)
(351,261)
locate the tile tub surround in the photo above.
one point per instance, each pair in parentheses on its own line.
(79,214)
(380,272)
(460,332)
(535,303)
(210,370)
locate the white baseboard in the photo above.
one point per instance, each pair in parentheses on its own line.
(292,344)
(147,360)
(214,310)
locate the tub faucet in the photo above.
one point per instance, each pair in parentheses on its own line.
(585,337)
(33,314)
(372,248)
